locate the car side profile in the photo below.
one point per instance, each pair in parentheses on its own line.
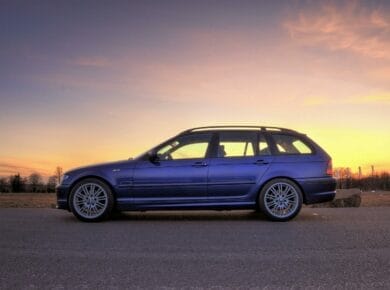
(270,169)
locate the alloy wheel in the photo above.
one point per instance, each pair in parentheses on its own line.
(281,200)
(90,200)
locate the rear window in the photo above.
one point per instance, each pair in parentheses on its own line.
(289,144)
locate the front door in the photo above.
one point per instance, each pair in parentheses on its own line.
(179,174)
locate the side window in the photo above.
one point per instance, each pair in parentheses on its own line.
(185,147)
(289,144)
(263,146)
(236,144)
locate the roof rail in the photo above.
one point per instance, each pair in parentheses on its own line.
(260,128)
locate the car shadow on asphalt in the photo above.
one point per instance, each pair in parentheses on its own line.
(202,215)
(241,215)
(188,216)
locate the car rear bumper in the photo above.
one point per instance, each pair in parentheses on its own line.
(62,196)
(317,190)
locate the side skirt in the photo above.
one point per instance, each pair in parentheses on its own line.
(127,206)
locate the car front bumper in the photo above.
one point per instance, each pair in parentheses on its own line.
(62,196)
(318,190)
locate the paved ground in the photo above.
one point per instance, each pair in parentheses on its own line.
(49,200)
(321,249)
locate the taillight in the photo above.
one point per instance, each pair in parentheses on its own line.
(329,168)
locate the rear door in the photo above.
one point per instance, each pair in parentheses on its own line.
(239,161)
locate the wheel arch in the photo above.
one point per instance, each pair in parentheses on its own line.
(279,177)
(105,181)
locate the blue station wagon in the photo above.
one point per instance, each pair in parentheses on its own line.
(270,169)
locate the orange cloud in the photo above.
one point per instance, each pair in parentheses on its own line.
(7,168)
(351,27)
(375,99)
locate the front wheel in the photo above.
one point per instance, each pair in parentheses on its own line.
(280,199)
(91,200)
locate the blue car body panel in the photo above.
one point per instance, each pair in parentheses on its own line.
(207,183)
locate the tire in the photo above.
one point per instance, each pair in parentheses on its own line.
(91,200)
(280,199)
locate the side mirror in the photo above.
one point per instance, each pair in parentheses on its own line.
(153,157)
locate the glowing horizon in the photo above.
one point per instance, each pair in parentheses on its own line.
(82,84)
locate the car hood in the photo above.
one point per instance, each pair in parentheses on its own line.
(105,165)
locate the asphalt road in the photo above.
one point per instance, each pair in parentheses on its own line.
(320,249)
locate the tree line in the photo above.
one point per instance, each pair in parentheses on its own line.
(344,176)
(347,179)
(32,183)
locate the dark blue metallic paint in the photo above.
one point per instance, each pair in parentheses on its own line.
(209,183)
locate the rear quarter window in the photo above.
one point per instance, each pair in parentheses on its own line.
(290,144)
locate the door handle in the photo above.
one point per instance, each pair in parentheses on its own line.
(199,164)
(261,162)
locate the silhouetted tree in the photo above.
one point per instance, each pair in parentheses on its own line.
(35,182)
(384,181)
(4,185)
(51,184)
(58,173)
(17,183)
(343,176)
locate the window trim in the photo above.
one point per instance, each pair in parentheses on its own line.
(270,144)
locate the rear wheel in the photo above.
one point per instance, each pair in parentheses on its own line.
(280,199)
(91,200)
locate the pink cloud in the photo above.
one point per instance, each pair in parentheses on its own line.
(349,27)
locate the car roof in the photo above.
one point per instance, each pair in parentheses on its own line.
(240,128)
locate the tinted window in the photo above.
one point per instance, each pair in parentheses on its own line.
(263,146)
(288,144)
(236,144)
(185,147)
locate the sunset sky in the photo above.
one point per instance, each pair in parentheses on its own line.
(91,81)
